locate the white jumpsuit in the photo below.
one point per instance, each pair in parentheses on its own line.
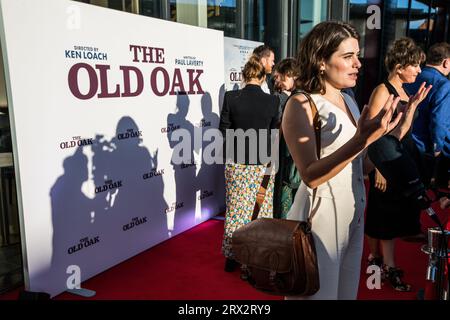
(337,225)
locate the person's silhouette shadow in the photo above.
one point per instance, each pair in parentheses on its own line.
(139,202)
(128,197)
(183,163)
(221,97)
(221,167)
(211,176)
(72,218)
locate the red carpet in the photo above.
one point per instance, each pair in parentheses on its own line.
(190,267)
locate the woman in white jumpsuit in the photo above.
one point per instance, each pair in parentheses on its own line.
(328,62)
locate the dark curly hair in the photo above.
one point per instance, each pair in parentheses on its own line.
(403,52)
(287,67)
(317,46)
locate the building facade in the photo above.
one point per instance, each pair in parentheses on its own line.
(277,23)
(425,21)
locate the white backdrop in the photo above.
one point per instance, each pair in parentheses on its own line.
(237,52)
(95,175)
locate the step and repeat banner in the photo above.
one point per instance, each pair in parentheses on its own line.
(108,112)
(237,52)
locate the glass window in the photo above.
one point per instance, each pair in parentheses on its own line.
(418,26)
(3,100)
(123,5)
(5,131)
(193,12)
(358,19)
(369,44)
(224,15)
(439,29)
(369,35)
(150,8)
(10,254)
(254,20)
(395,19)
(311,13)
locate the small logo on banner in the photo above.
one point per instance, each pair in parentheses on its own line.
(170,128)
(76,141)
(188,165)
(152,174)
(134,222)
(174,206)
(84,243)
(206,194)
(203,123)
(129,134)
(109,185)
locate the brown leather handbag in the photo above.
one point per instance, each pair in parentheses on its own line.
(278,256)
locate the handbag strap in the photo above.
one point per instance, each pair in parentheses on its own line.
(262,192)
(317,124)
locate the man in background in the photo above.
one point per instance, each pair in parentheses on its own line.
(267,57)
(431,128)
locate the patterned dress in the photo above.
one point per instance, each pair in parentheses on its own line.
(242,183)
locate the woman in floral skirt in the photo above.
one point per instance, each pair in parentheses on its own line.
(248,113)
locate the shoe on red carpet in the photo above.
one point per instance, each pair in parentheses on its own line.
(230,265)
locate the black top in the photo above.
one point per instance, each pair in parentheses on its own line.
(389,214)
(249,108)
(391,89)
(407,140)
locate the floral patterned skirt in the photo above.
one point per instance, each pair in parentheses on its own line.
(242,183)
